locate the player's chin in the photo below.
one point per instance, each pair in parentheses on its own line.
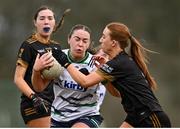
(79,54)
(45,35)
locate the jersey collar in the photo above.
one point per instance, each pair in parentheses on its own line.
(41,39)
(70,58)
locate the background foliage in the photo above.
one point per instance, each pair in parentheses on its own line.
(156,23)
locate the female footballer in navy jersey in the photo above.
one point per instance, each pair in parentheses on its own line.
(128,74)
(35,107)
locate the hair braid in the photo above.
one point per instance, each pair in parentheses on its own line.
(61,22)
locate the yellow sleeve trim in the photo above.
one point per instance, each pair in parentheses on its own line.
(22,63)
(104,75)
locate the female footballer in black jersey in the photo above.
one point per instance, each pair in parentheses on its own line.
(128,74)
(35,107)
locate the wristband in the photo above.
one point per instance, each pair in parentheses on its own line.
(31,96)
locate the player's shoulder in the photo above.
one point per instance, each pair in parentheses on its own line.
(31,39)
(34,38)
(54,42)
(89,57)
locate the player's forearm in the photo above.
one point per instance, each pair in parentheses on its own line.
(77,76)
(37,81)
(23,86)
(20,82)
(83,80)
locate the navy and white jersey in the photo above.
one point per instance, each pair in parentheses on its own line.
(71,99)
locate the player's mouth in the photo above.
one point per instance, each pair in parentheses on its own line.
(46,29)
(79,50)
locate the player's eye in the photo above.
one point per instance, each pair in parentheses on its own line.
(41,18)
(50,17)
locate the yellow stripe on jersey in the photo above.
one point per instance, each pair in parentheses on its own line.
(105,75)
(22,63)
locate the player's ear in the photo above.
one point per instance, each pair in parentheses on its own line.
(34,23)
(114,43)
(69,40)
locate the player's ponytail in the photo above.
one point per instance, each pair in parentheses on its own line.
(61,22)
(138,53)
(121,33)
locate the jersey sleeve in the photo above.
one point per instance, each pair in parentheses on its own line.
(109,71)
(24,54)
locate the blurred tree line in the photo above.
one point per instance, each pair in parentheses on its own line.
(156,23)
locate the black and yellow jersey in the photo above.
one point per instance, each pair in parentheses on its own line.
(27,55)
(137,95)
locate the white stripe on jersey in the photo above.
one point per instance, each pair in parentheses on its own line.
(73,101)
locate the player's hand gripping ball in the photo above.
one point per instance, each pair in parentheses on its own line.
(52,72)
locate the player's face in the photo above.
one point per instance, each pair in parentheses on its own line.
(101,53)
(45,22)
(106,41)
(79,42)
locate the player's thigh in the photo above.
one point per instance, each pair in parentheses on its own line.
(126,125)
(80,125)
(29,114)
(43,122)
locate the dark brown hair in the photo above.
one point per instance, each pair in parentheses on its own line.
(79,27)
(44,7)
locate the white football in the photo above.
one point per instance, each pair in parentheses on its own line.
(52,72)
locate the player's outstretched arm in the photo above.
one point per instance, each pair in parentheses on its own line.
(84,80)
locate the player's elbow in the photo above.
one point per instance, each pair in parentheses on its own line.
(16,79)
(116,95)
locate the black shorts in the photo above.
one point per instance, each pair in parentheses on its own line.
(28,111)
(156,119)
(92,121)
